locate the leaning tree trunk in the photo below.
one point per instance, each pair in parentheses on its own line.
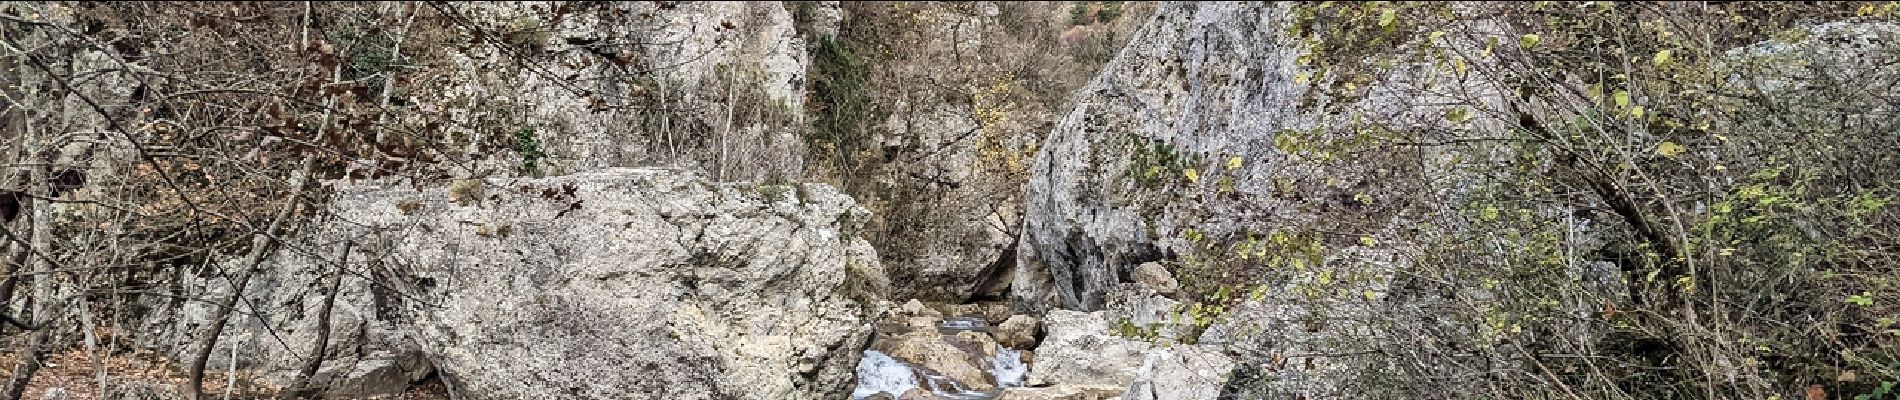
(260,245)
(322,346)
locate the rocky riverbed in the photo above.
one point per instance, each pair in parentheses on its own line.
(922,350)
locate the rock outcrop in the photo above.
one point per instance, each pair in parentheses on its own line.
(1198,86)
(1206,207)
(717,87)
(1194,144)
(591,285)
(370,349)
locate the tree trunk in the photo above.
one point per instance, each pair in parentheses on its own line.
(260,244)
(322,346)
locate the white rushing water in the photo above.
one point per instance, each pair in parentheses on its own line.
(1009,368)
(879,373)
(953,325)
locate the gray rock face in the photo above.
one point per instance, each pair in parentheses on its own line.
(370,351)
(1194,138)
(634,83)
(1158,318)
(1195,131)
(965,92)
(721,87)
(627,281)
(1201,83)
(824,18)
(374,377)
(1196,135)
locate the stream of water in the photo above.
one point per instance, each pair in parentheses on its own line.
(880,373)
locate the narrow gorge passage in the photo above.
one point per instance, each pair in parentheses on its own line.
(1049,200)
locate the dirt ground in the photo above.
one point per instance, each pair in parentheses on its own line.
(77,373)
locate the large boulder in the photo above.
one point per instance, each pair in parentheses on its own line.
(628,281)
(1199,144)
(1177,134)
(1185,372)
(595,285)
(1197,139)
(1081,349)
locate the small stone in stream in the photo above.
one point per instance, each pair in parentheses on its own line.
(880,396)
(911,316)
(935,352)
(923,323)
(917,394)
(1018,332)
(1156,277)
(917,308)
(997,312)
(977,343)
